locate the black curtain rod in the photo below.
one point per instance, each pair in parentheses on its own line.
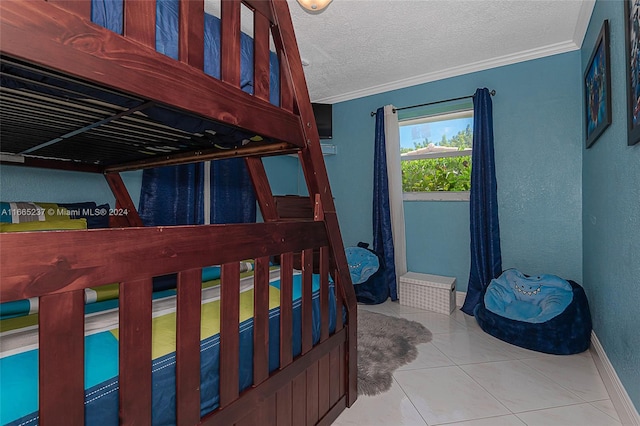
(492,93)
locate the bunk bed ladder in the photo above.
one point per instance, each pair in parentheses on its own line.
(294,96)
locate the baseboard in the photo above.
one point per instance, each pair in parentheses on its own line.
(460,296)
(619,396)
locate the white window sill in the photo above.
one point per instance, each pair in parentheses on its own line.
(436,196)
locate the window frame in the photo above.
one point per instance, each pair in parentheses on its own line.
(453,112)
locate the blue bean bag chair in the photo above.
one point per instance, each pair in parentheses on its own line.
(543,313)
(368,274)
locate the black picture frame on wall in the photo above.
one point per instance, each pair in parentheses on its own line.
(597,88)
(632,49)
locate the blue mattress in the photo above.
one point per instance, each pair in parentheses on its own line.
(18,367)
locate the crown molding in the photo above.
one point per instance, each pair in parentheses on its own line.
(527,55)
(584,17)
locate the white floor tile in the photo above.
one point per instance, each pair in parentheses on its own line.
(428,357)
(576,373)
(468,347)
(516,352)
(522,353)
(435,322)
(466,377)
(467,320)
(581,414)
(389,408)
(510,420)
(606,406)
(447,394)
(518,387)
(397,308)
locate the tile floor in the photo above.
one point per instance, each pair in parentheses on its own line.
(467,377)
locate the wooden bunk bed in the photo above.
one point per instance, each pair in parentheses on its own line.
(67,84)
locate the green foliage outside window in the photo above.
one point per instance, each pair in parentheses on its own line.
(437,174)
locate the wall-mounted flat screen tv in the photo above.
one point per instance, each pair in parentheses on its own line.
(324,119)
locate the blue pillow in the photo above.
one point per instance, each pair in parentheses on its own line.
(97,216)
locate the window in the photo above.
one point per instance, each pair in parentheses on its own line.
(435,152)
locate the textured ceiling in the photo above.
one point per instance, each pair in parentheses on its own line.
(357,48)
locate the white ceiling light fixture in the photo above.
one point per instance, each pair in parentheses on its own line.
(314,5)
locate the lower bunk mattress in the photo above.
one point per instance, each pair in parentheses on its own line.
(19,353)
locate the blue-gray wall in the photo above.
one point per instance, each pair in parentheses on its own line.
(538,148)
(28,184)
(611,217)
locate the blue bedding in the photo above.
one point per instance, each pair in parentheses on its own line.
(19,367)
(108,13)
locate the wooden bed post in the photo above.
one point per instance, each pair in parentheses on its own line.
(62,350)
(140,22)
(125,213)
(262,188)
(80,8)
(316,174)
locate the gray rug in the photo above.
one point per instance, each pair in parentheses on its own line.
(384,344)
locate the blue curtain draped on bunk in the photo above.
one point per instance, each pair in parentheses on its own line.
(382,235)
(232,196)
(173,195)
(486,259)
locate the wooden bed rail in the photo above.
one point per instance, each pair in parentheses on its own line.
(57,266)
(70,43)
(37,263)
